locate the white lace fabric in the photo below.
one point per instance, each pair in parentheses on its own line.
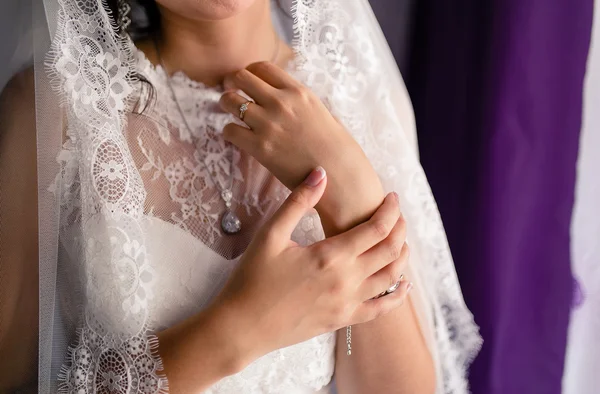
(140,241)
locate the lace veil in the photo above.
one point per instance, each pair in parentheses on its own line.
(94,193)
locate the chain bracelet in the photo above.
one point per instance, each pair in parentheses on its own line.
(349,340)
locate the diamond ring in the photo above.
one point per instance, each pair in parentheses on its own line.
(243,109)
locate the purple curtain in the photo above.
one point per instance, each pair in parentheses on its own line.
(497,90)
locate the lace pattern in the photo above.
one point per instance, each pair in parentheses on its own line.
(113,351)
(101,364)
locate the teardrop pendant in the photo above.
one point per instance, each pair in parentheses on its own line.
(230,223)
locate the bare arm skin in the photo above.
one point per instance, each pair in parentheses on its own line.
(389,354)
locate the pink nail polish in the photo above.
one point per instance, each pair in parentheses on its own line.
(409,287)
(396,196)
(315,177)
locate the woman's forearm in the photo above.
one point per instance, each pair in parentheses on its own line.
(389,354)
(351,198)
(202,350)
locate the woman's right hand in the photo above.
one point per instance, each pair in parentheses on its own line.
(283,294)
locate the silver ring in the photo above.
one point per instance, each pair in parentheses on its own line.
(393,288)
(390,289)
(243,109)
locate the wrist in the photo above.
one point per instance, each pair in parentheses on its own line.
(210,342)
(230,334)
(351,198)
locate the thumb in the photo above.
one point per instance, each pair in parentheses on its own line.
(299,202)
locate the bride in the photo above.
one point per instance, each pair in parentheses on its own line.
(173,256)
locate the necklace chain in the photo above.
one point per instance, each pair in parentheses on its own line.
(226,194)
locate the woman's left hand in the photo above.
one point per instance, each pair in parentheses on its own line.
(291,132)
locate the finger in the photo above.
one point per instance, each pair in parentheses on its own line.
(231,102)
(299,202)
(273,75)
(386,251)
(385,278)
(252,84)
(374,308)
(368,234)
(242,137)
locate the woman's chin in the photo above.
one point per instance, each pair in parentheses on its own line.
(208,10)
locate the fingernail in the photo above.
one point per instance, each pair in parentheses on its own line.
(315,177)
(409,287)
(396,196)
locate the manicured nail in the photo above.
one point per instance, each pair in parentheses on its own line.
(396,196)
(409,287)
(315,177)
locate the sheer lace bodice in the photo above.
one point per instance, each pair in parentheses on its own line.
(180,165)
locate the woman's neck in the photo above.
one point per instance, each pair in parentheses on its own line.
(208,50)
